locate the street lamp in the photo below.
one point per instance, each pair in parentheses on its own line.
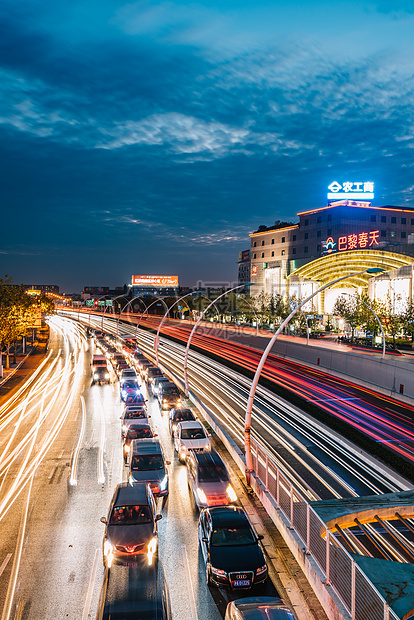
(378,320)
(126,305)
(157,337)
(146,310)
(106,307)
(195,327)
(249,407)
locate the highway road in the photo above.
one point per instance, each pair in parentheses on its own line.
(51,535)
(319,462)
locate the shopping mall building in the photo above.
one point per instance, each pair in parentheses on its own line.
(349,235)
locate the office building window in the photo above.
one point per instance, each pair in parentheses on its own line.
(318,248)
(262,254)
(283,239)
(305,249)
(254,244)
(412,222)
(254,255)
(403,220)
(319,233)
(383,233)
(393,234)
(319,220)
(294,238)
(329,217)
(273,253)
(393,220)
(306,235)
(373,218)
(383,219)
(283,252)
(306,222)
(329,232)
(263,242)
(403,235)
(294,251)
(273,241)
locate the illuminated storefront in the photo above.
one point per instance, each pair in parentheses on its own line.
(292,259)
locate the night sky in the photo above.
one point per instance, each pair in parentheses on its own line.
(152,137)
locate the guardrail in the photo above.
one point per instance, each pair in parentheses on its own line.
(359,596)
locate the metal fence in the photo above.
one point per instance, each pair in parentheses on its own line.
(358,595)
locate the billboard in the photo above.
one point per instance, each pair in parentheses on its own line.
(351,190)
(159,281)
(243,256)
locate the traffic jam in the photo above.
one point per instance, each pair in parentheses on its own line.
(229,545)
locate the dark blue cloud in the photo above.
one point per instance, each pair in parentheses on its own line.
(152,137)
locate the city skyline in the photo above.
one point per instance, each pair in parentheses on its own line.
(154,137)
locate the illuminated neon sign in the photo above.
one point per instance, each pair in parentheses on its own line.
(354,241)
(351,191)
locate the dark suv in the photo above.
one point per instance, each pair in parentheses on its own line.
(131,526)
(231,548)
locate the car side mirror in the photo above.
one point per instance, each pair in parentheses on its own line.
(260,537)
(158,517)
(120,417)
(103,520)
(155,435)
(205,540)
(168,462)
(148,416)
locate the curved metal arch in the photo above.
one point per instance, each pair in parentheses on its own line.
(328,267)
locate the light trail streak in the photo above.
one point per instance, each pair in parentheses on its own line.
(73,481)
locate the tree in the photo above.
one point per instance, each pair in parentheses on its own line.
(407,319)
(349,309)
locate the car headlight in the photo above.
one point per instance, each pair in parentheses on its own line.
(124,427)
(107,375)
(152,548)
(96,376)
(218,572)
(231,493)
(127,448)
(261,570)
(108,553)
(201,496)
(174,428)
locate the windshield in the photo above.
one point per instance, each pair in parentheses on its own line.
(183,416)
(169,391)
(142,432)
(130,515)
(136,415)
(130,385)
(192,433)
(212,473)
(228,537)
(155,372)
(147,462)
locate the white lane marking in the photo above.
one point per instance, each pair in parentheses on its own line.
(52,473)
(72,479)
(190,583)
(5,562)
(91,586)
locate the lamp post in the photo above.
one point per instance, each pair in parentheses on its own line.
(157,337)
(146,310)
(255,315)
(126,305)
(249,407)
(101,297)
(195,327)
(106,307)
(378,320)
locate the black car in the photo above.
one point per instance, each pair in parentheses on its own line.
(131,526)
(179,415)
(130,592)
(231,548)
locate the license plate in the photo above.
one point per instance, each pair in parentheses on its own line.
(240,583)
(131,564)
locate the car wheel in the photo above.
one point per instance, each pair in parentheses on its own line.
(208,576)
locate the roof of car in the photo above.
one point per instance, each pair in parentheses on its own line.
(146,446)
(190,424)
(179,410)
(128,494)
(228,515)
(170,384)
(207,458)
